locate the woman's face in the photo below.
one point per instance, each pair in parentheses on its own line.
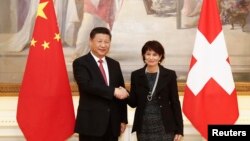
(152,58)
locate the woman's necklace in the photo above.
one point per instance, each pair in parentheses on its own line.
(150,96)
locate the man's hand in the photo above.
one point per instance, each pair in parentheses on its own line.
(123,127)
(121,93)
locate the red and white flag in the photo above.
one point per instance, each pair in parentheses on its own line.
(45,109)
(210,96)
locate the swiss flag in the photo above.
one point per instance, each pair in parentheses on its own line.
(210,96)
(45,109)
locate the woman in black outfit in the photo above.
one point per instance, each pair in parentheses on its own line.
(154,93)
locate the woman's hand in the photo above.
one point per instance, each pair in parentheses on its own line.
(177,137)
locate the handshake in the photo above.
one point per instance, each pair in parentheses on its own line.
(121,93)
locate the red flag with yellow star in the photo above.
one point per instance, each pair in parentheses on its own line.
(45,109)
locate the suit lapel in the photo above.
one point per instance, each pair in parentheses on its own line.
(143,82)
(111,71)
(162,80)
(94,67)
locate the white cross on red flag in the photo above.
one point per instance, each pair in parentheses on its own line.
(210,96)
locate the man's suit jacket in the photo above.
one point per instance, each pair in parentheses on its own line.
(97,104)
(167,95)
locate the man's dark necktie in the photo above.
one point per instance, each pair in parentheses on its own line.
(102,70)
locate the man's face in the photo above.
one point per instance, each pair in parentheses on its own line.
(100,45)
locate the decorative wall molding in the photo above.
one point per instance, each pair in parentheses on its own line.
(12,89)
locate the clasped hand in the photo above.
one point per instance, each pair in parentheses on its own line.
(121,93)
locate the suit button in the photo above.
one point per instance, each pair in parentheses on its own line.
(160,106)
(159,97)
(108,110)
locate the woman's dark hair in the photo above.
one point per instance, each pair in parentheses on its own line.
(154,46)
(98,30)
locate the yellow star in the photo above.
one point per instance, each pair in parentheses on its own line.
(40,11)
(45,45)
(33,42)
(57,37)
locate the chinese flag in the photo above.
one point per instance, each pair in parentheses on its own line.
(45,108)
(210,96)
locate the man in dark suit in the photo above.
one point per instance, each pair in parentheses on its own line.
(102,112)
